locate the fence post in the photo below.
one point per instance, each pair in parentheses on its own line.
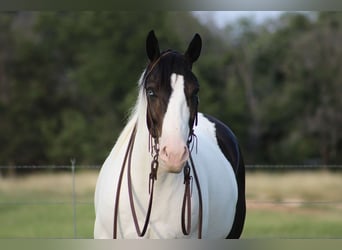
(73,163)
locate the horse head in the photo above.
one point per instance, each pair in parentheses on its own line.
(171,90)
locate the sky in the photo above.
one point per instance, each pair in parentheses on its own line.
(221,18)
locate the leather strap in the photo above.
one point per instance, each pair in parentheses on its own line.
(118,189)
(152,178)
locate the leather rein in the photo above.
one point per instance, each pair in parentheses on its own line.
(186,205)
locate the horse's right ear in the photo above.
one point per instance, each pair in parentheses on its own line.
(152,46)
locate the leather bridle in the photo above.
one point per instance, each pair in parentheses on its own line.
(186,205)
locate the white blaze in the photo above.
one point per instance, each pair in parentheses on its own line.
(175,129)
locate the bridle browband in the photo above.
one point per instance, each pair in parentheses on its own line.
(186,205)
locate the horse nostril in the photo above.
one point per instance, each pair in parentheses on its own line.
(185,154)
(164,151)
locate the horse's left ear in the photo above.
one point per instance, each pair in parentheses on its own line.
(194,49)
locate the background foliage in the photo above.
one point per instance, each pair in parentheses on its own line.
(68,80)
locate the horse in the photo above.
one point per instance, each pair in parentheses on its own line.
(173,172)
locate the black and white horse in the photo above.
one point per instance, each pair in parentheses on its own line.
(173,172)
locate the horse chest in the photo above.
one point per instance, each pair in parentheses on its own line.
(165,221)
(217,182)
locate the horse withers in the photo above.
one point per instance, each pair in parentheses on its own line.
(173,172)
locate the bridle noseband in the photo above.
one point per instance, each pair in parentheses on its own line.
(186,205)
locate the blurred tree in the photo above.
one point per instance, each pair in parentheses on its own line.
(68,80)
(100,56)
(6,53)
(316,67)
(242,60)
(291,79)
(73,78)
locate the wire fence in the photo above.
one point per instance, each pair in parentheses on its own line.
(248,167)
(81,209)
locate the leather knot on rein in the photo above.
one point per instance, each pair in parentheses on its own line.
(186,229)
(187,200)
(154,167)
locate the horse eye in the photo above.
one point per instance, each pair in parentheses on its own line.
(150,92)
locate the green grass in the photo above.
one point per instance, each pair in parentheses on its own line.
(298,223)
(40,206)
(46,221)
(303,205)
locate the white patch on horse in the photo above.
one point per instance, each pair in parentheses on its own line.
(175,129)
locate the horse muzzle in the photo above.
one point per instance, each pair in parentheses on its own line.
(174,157)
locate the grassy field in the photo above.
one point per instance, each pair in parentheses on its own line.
(280,205)
(294,205)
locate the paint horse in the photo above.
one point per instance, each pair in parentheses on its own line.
(173,172)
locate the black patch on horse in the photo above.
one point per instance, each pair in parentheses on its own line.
(231,150)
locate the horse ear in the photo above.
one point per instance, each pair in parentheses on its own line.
(152,46)
(194,49)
